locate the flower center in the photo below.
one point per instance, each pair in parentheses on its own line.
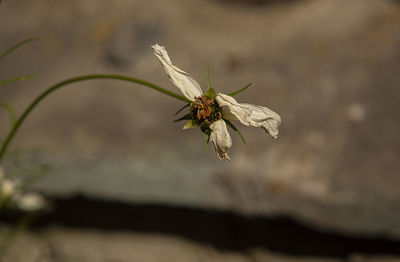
(205,109)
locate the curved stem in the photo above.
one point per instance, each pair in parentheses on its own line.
(58,85)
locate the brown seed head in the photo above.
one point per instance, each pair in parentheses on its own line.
(205,109)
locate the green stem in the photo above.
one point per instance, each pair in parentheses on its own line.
(11,49)
(58,85)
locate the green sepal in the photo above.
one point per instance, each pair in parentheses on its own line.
(188,116)
(205,128)
(207,140)
(210,93)
(8,51)
(191,124)
(15,79)
(240,90)
(229,123)
(180,110)
(208,76)
(11,113)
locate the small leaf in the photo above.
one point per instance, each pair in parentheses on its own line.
(185,117)
(205,128)
(208,76)
(180,110)
(229,123)
(15,79)
(11,113)
(240,90)
(8,51)
(210,93)
(207,140)
(190,124)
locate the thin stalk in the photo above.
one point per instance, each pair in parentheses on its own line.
(58,85)
(11,49)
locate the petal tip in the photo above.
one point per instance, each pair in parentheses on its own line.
(155,46)
(221,139)
(158,50)
(226,158)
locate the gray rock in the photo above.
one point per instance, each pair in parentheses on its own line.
(330,68)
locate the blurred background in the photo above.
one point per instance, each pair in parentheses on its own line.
(128,184)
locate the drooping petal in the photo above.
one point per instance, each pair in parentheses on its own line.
(250,115)
(231,109)
(182,80)
(265,118)
(221,139)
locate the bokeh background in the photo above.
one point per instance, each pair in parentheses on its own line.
(329,68)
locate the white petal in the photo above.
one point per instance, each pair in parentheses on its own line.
(265,118)
(221,139)
(182,80)
(31,202)
(250,115)
(231,109)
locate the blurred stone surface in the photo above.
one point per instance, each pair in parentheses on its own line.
(62,244)
(72,245)
(330,68)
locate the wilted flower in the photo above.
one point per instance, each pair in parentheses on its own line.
(11,195)
(213,112)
